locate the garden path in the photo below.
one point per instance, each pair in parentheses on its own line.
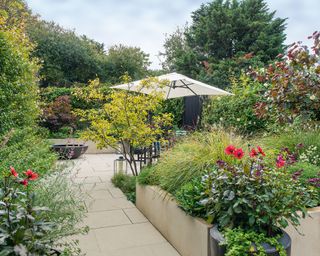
(117,228)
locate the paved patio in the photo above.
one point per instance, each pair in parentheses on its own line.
(117,228)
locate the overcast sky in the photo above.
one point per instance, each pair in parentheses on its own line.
(144,23)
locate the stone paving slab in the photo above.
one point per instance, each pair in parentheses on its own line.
(117,227)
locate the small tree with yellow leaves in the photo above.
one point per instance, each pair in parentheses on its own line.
(125,117)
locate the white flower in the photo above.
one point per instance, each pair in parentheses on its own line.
(238,119)
(312,97)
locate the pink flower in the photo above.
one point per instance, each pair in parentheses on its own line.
(13,172)
(230,150)
(238,153)
(280,161)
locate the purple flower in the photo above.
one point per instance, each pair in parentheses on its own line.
(315,181)
(221,163)
(297,174)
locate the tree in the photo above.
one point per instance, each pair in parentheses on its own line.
(125,118)
(221,37)
(66,58)
(125,59)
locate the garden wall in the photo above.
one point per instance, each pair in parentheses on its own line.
(190,236)
(92,148)
(307,244)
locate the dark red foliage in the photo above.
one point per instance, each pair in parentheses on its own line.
(58,114)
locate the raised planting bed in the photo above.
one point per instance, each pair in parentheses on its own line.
(190,236)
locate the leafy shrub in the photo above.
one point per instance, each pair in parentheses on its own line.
(24,227)
(18,90)
(146,177)
(292,84)
(309,175)
(237,112)
(26,147)
(254,194)
(242,242)
(189,159)
(189,198)
(127,184)
(58,114)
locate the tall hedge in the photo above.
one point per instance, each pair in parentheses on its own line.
(18,81)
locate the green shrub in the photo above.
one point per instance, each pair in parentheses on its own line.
(146,177)
(18,90)
(127,184)
(189,159)
(26,147)
(189,198)
(292,138)
(237,112)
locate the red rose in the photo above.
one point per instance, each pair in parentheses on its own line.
(31,175)
(230,150)
(261,151)
(13,172)
(24,182)
(253,153)
(238,153)
(280,161)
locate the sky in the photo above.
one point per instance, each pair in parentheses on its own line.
(145,23)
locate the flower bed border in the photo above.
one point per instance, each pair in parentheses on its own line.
(190,236)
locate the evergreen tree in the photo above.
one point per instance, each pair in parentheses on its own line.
(225,37)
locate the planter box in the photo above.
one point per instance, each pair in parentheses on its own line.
(92,148)
(309,243)
(190,236)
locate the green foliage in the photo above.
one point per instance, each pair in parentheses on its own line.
(127,184)
(237,112)
(146,176)
(189,159)
(223,38)
(18,101)
(176,108)
(67,58)
(26,147)
(126,60)
(23,224)
(189,197)
(241,242)
(292,138)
